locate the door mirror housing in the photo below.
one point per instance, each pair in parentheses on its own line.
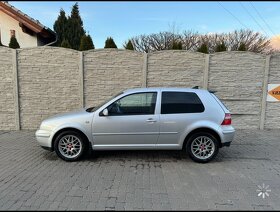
(105,112)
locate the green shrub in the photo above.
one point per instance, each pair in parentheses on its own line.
(110,43)
(177,45)
(13,43)
(221,47)
(242,47)
(86,43)
(203,48)
(129,45)
(65,44)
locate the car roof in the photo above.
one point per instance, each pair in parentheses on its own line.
(132,90)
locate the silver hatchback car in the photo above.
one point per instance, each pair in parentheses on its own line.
(192,120)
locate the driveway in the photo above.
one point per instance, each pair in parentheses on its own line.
(34,179)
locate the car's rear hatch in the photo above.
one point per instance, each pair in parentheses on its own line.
(220,103)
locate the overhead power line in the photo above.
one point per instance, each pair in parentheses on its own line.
(262,18)
(233,15)
(253,18)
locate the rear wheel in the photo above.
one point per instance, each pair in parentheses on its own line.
(202,147)
(70,145)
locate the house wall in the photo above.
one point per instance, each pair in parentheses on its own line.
(7,23)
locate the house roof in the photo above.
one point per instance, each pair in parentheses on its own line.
(26,21)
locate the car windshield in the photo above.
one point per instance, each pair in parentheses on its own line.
(92,109)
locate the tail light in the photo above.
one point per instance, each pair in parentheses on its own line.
(227,119)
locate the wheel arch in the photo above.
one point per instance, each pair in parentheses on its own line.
(69,129)
(202,129)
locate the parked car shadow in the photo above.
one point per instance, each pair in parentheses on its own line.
(132,155)
(136,155)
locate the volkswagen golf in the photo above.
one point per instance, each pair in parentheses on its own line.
(188,119)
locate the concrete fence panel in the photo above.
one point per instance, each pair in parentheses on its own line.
(175,68)
(238,78)
(108,72)
(7,90)
(272,117)
(48,83)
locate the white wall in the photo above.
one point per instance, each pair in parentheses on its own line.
(7,23)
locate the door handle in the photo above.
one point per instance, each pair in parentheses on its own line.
(151,120)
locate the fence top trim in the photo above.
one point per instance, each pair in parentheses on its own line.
(136,52)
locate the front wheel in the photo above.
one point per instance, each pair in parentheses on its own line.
(70,146)
(202,147)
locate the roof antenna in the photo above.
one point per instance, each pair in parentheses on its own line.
(195,87)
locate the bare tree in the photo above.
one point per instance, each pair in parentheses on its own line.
(141,43)
(254,41)
(191,40)
(155,42)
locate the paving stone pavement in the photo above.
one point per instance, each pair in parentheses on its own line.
(32,178)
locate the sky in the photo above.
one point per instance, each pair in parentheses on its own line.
(125,19)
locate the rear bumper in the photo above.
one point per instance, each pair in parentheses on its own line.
(225,144)
(227,136)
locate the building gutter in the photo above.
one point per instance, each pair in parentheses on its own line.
(48,44)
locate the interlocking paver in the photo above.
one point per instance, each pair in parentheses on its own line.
(34,179)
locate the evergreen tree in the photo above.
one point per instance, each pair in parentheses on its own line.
(75,28)
(242,47)
(177,45)
(203,48)
(60,27)
(129,45)
(86,43)
(221,47)
(110,43)
(13,43)
(65,44)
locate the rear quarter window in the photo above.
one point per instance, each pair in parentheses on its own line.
(180,102)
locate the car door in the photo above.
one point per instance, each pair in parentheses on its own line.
(131,122)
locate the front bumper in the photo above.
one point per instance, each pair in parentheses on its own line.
(44,138)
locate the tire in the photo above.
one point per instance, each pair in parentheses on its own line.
(202,147)
(70,145)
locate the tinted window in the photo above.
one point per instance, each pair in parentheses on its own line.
(180,102)
(134,104)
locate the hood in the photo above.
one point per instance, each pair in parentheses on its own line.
(69,114)
(76,116)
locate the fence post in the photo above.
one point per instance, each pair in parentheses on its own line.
(264,89)
(145,69)
(206,71)
(81,77)
(16,89)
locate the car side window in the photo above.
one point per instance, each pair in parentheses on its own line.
(180,102)
(134,104)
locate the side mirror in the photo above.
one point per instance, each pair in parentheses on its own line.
(105,112)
